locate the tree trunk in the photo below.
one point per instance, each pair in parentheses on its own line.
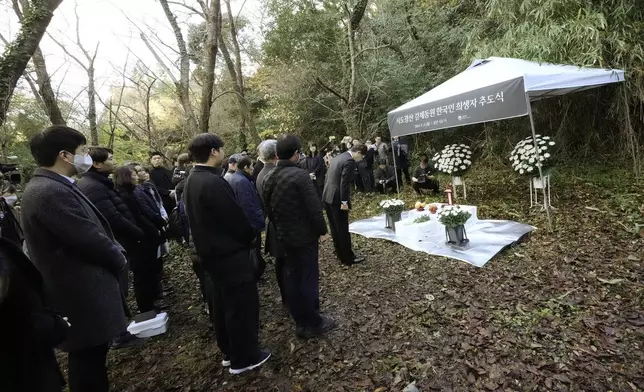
(17,55)
(44,89)
(91,93)
(211,49)
(244,107)
(183,85)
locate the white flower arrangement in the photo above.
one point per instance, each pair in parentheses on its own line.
(452,216)
(454,159)
(527,159)
(392,206)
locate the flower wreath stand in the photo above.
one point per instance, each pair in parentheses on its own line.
(456,182)
(536,187)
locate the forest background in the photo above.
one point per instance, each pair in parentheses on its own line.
(320,68)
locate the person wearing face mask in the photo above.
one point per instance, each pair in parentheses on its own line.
(72,245)
(10,227)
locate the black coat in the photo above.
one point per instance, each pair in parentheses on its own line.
(72,245)
(99,189)
(145,249)
(29,330)
(272,244)
(293,205)
(337,187)
(162,180)
(259,165)
(315,164)
(218,224)
(387,174)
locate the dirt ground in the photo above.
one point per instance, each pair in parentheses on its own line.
(561,311)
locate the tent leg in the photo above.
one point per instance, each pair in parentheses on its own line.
(395,169)
(536,146)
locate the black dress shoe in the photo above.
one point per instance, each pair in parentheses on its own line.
(325,326)
(356,260)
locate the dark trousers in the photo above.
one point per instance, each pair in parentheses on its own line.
(428,184)
(302,277)
(369,180)
(403,170)
(261,263)
(236,316)
(206,288)
(87,369)
(280,276)
(339,224)
(147,279)
(386,187)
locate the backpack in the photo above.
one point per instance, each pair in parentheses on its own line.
(9,226)
(176,229)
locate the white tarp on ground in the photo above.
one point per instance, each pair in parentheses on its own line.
(487,237)
(493,89)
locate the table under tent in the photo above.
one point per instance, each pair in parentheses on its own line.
(488,90)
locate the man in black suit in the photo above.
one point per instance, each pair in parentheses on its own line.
(162,180)
(337,201)
(72,245)
(225,241)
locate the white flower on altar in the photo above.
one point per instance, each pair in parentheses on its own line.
(546,155)
(531,160)
(530,169)
(521,171)
(551,143)
(463,167)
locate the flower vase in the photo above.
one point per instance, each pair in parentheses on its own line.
(391,220)
(457,181)
(456,235)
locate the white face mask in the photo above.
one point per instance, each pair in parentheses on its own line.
(11,200)
(82,163)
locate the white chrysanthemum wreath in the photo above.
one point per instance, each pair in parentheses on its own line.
(526,159)
(454,159)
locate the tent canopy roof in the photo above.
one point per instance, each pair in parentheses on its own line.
(541,80)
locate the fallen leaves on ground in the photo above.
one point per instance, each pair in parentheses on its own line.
(561,311)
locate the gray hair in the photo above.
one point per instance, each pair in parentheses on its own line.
(267,150)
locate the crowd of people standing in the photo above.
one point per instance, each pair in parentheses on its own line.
(87,223)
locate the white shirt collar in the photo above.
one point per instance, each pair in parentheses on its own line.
(68,178)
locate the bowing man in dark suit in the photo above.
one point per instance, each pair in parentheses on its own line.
(336,198)
(72,245)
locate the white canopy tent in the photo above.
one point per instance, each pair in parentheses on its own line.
(494,89)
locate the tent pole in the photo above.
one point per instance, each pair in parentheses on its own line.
(546,203)
(395,169)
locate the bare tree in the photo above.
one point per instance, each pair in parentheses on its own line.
(183,84)
(19,52)
(213,24)
(44,94)
(88,66)
(235,72)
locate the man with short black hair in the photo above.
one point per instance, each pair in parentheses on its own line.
(385,177)
(337,201)
(162,180)
(294,207)
(423,178)
(73,247)
(224,239)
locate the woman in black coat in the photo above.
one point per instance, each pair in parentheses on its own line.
(29,331)
(144,253)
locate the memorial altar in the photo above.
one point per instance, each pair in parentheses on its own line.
(486,237)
